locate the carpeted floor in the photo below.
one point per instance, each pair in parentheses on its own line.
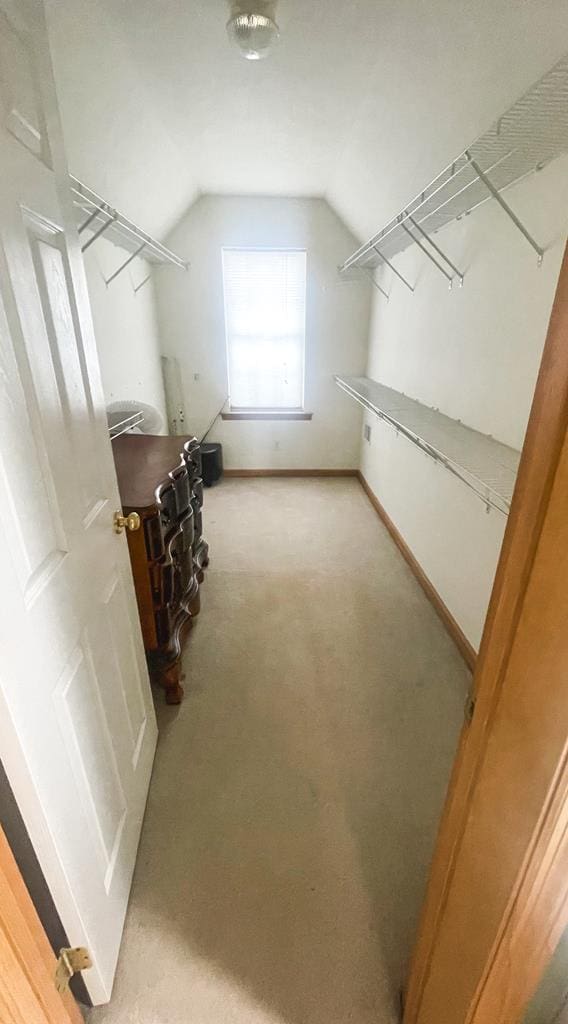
(297,789)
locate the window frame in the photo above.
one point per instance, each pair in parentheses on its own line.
(237,412)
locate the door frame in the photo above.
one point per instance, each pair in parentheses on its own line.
(27,975)
(536,912)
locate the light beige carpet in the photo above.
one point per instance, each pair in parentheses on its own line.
(297,790)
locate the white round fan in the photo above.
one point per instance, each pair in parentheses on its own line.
(152,422)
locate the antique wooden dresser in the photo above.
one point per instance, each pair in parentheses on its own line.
(161,490)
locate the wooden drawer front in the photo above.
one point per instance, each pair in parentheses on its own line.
(192,455)
(188,529)
(162,582)
(154,537)
(197,525)
(163,627)
(183,566)
(186,571)
(166,500)
(181,482)
(197,490)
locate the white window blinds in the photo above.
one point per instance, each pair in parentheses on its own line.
(265,317)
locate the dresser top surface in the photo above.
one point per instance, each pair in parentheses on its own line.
(142,462)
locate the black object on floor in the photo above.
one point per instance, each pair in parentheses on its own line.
(211,463)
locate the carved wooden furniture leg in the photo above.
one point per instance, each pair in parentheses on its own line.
(170,680)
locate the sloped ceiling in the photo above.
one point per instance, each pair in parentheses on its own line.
(363,101)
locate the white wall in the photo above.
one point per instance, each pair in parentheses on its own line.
(192,327)
(442,72)
(126,327)
(473,353)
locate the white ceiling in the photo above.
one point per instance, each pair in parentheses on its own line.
(363,102)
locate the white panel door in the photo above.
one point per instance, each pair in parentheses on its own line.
(77,725)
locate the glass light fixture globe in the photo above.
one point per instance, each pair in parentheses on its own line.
(253,34)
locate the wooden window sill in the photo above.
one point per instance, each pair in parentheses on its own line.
(251,414)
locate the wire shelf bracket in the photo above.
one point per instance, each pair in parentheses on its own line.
(388,263)
(375,283)
(505,206)
(529,135)
(99,217)
(436,248)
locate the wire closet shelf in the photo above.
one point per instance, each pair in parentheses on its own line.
(525,138)
(487,466)
(96,217)
(122,422)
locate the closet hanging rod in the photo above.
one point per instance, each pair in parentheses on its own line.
(100,217)
(531,133)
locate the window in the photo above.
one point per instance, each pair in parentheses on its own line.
(265,319)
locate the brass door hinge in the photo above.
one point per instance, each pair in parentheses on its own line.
(70,962)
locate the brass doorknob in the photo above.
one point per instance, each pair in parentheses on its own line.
(130,522)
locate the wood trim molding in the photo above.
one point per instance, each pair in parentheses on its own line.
(289,472)
(538,907)
(467,651)
(27,986)
(266,415)
(431,974)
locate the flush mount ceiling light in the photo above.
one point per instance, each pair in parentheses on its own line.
(252,27)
